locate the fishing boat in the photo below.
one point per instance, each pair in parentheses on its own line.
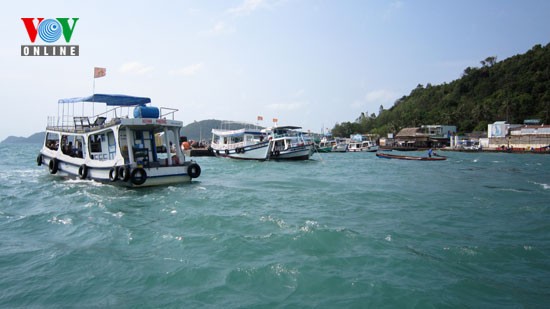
(401,157)
(288,143)
(360,146)
(244,144)
(324,145)
(340,145)
(369,146)
(115,146)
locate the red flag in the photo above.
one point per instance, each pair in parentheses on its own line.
(100,72)
(275,120)
(260,118)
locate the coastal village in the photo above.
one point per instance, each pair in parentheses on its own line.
(500,136)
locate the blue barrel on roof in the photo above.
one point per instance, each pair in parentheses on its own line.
(143,111)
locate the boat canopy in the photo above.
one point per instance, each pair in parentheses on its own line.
(239,132)
(109,99)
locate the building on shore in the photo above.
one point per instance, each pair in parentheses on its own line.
(527,136)
(426,136)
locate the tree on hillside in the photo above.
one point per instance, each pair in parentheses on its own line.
(514,89)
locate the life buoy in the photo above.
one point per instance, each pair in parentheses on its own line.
(39,159)
(194,170)
(123,173)
(83,171)
(138,176)
(113,174)
(53,165)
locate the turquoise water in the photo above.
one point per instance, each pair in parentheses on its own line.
(340,231)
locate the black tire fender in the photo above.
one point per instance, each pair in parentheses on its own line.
(123,173)
(83,171)
(113,174)
(138,176)
(194,170)
(53,166)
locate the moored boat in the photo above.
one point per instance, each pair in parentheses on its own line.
(287,143)
(340,145)
(401,157)
(114,147)
(245,144)
(324,145)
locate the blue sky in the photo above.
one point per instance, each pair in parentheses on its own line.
(307,63)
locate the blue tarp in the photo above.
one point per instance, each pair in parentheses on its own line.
(110,99)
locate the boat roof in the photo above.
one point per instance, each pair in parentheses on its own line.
(109,99)
(239,132)
(287,128)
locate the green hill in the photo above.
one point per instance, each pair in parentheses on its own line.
(514,89)
(36,138)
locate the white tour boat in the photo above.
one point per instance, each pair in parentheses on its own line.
(287,143)
(359,143)
(245,144)
(114,147)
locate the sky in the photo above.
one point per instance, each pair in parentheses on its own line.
(310,63)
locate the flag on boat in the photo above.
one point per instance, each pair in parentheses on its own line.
(100,72)
(260,118)
(275,120)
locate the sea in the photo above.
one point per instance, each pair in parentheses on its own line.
(342,230)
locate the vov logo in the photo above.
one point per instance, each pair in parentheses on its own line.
(49,31)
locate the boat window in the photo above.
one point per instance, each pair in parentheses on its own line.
(95,142)
(237,139)
(99,146)
(112,144)
(67,144)
(52,141)
(79,147)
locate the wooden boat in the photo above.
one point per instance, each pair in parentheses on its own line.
(392,156)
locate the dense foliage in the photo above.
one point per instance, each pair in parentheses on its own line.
(513,90)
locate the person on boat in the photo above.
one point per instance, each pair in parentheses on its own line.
(185,145)
(430,152)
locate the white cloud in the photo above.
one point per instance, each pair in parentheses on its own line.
(220,28)
(135,67)
(247,7)
(189,70)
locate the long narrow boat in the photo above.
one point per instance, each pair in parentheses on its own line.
(400,157)
(113,146)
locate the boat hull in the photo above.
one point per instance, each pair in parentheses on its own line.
(121,175)
(250,152)
(293,153)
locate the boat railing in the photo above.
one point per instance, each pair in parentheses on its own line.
(74,123)
(171,111)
